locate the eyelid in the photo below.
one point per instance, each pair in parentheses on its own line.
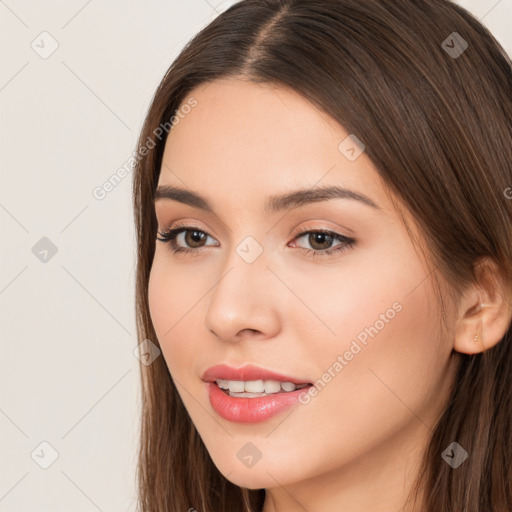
(304,229)
(186,226)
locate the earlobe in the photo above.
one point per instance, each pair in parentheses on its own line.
(485,312)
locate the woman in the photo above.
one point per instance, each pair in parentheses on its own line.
(323,208)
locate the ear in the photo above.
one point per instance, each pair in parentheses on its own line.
(485,310)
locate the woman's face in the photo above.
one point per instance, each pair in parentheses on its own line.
(362,320)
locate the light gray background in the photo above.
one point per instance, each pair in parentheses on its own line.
(68,376)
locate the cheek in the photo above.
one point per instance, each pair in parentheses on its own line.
(384,327)
(381,294)
(165,304)
(157,297)
(351,299)
(173,298)
(390,364)
(169,293)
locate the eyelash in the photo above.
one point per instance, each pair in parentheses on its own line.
(170,235)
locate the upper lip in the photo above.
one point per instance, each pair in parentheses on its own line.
(246,373)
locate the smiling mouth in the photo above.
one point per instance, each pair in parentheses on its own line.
(257,388)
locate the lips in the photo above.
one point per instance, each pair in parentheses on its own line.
(247,373)
(251,410)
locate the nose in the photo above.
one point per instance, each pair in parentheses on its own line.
(243,302)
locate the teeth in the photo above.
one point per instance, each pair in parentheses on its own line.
(257,386)
(252,386)
(272,386)
(288,386)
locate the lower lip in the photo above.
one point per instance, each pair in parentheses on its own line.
(251,410)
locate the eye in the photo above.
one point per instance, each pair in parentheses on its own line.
(318,239)
(194,238)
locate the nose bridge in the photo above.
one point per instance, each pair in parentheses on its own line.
(239,299)
(246,262)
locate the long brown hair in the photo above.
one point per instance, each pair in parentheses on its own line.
(436,119)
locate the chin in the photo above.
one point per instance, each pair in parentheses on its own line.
(251,478)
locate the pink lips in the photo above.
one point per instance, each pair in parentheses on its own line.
(249,410)
(245,373)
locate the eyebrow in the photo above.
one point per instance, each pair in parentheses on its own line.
(287,201)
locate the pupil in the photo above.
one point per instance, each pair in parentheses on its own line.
(196,236)
(317,239)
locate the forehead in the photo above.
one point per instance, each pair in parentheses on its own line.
(260,133)
(261,119)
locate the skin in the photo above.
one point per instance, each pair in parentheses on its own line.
(356,445)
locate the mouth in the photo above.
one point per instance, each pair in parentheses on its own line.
(257,388)
(253,401)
